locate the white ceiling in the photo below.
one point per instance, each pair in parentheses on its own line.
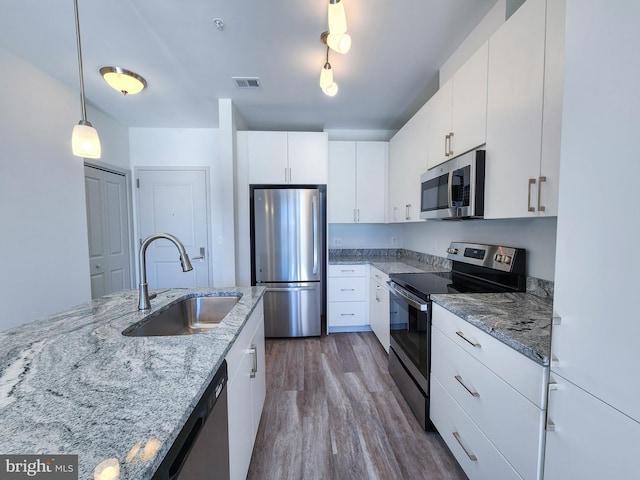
(397,49)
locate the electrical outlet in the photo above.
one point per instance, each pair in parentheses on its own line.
(394,240)
(337,242)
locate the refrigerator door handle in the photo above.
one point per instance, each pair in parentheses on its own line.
(288,289)
(314,210)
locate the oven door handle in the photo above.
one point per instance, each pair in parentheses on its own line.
(411,299)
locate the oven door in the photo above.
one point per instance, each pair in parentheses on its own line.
(410,329)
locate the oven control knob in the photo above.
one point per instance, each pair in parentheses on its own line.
(506,259)
(498,257)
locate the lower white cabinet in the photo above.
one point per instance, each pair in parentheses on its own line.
(491,392)
(586,438)
(347,298)
(246,392)
(379,306)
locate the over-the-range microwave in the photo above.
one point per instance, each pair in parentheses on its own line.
(454,189)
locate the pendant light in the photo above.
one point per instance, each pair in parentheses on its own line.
(328,86)
(338,39)
(85,142)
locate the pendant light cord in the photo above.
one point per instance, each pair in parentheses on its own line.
(80,69)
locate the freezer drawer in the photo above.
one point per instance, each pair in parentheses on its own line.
(292,309)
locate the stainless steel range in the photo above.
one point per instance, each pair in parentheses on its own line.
(476,268)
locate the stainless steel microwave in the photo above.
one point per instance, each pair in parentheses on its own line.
(455,189)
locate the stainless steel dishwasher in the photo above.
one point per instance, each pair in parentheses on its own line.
(201,450)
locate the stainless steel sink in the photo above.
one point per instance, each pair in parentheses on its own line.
(189,316)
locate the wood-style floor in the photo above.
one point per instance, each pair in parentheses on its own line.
(333,412)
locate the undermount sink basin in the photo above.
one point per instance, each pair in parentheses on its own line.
(188,316)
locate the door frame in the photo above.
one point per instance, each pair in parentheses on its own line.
(127,180)
(207,180)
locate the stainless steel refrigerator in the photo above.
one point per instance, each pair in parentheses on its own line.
(288,257)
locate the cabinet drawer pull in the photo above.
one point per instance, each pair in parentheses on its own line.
(532,181)
(254,368)
(345,271)
(446,146)
(347,314)
(471,392)
(541,208)
(347,289)
(471,456)
(473,344)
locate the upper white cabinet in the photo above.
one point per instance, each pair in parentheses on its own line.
(287,157)
(407,161)
(524,103)
(457,113)
(357,182)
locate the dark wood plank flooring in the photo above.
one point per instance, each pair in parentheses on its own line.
(333,412)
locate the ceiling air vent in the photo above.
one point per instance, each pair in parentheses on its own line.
(247,82)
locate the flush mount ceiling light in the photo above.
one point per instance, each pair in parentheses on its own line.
(123,80)
(85,142)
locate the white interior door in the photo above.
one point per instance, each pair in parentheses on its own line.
(175,202)
(108,231)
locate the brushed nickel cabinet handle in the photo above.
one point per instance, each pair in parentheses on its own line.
(541,208)
(473,344)
(446,147)
(355,218)
(532,181)
(450,149)
(471,392)
(471,456)
(254,368)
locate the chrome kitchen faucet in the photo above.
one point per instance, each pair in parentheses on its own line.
(143,300)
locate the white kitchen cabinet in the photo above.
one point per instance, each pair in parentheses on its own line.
(501,391)
(287,158)
(379,306)
(457,113)
(586,438)
(594,341)
(357,182)
(524,110)
(407,161)
(347,298)
(246,390)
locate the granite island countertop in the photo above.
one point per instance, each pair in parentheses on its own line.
(71,383)
(520,320)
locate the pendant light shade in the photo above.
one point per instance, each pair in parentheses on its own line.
(326,76)
(340,43)
(337,18)
(123,80)
(84,139)
(331,90)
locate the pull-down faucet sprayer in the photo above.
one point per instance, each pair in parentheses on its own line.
(143,299)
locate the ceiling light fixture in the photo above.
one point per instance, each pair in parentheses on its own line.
(338,39)
(123,80)
(85,142)
(328,86)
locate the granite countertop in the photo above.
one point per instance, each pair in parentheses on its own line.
(71,383)
(391,263)
(520,320)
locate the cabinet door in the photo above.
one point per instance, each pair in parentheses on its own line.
(267,152)
(308,158)
(371,181)
(241,436)
(589,439)
(514,113)
(341,192)
(379,308)
(439,125)
(469,103)
(407,161)
(258,382)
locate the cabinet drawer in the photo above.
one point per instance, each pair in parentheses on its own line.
(347,314)
(523,374)
(512,423)
(475,453)
(379,276)
(350,289)
(347,270)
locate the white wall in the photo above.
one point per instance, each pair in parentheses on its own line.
(42,204)
(193,147)
(537,235)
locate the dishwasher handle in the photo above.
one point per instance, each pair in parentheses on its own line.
(176,466)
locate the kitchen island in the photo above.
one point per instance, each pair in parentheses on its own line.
(71,383)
